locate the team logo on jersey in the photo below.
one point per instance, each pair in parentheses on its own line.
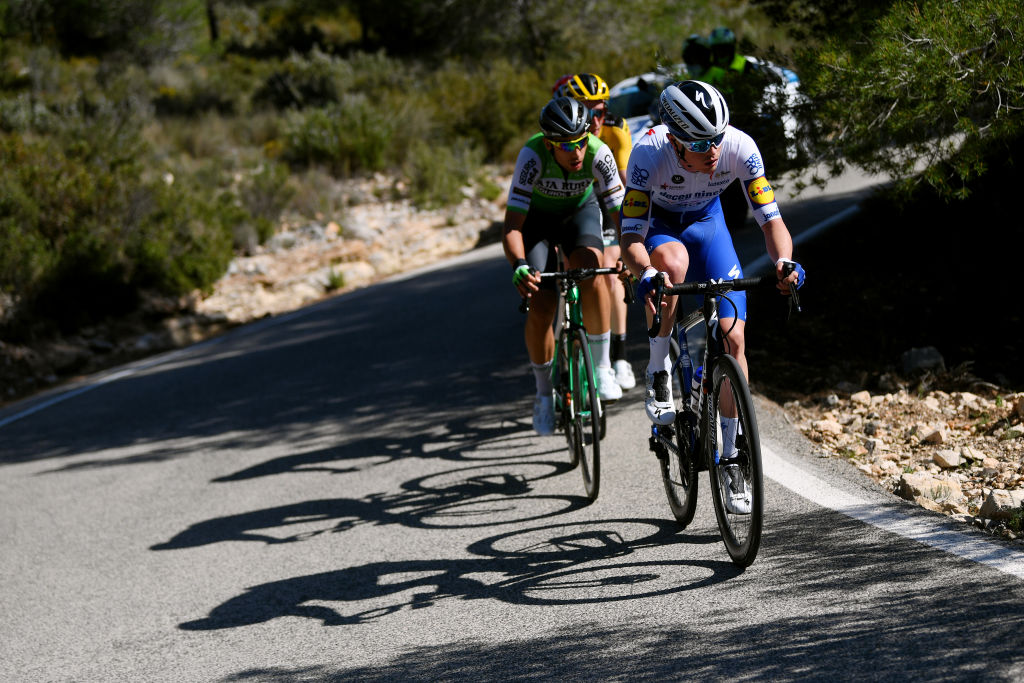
(678,179)
(754,164)
(760,192)
(639,177)
(529,172)
(605,169)
(636,204)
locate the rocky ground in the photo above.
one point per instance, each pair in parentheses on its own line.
(945,439)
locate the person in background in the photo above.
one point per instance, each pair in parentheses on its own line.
(724,59)
(696,55)
(592,92)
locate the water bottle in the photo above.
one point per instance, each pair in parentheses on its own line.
(695,388)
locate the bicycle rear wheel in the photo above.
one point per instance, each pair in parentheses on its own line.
(741,531)
(679,468)
(587,413)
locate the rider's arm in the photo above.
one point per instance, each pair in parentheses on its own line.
(512,237)
(524,278)
(634,255)
(607,182)
(761,198)
(619,140)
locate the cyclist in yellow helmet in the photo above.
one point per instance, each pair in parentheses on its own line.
(592,91)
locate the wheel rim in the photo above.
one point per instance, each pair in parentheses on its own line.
(587,416)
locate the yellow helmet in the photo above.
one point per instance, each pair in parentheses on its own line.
(587,87)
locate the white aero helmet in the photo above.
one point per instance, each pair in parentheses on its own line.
(694,110)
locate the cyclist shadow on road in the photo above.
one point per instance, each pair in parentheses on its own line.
(477,496)
(464,439)
(586,563)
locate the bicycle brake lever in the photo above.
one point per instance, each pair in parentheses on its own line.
(524,305)
(794,298)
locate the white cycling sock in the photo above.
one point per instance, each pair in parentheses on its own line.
(542,376)
(659,354)
(730,425)
(600,348)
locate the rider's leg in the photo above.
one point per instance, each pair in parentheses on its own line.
(540,346)
(735,345)
(540,340)
(669,256)
(593,291)
(617,317)
(594,300)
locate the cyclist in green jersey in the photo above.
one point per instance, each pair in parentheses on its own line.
(562,176)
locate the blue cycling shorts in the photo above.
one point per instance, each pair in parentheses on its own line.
(709,245)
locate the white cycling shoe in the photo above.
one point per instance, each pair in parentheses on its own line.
(737,494)
(624,374)
(544,415)
(659,405)
(607,386)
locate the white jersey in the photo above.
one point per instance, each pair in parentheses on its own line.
(656,178)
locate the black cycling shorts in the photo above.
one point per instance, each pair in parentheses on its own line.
(542,230)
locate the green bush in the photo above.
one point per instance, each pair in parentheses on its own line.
(82,230)
(304,81)
(349,137)
(438,174)
(496,109)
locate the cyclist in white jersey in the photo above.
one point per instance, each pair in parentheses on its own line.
(561,175)
(672,221)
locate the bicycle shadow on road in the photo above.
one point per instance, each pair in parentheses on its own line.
(828,598)
(475,437)
(587,563)
(479,496)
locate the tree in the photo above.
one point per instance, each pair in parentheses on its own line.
(912,86)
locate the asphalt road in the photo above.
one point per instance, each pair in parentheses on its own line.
(353,491)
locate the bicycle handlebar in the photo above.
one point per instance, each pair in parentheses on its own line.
(706,288)
(577,274)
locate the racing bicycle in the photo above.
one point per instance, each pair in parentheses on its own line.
(578,409)
(693,442)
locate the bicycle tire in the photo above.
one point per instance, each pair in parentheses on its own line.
(564,405)
(741,533)
(679,468)
(586,413)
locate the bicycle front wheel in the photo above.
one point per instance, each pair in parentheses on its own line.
(587,413)
(736,476)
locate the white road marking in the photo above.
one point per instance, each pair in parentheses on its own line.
(808,486)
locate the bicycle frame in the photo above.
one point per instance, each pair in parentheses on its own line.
(713,350)
(571,319)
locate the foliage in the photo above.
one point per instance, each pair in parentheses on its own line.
(82,233)
(438,175)
(928,86)
(143,141)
